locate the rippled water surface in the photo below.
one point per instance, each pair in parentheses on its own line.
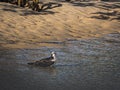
(81,65)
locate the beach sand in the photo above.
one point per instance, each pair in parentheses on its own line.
(24,28)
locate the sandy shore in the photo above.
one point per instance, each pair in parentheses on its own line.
(24,28)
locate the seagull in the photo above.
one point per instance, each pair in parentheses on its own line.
(45,62)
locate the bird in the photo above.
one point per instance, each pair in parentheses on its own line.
(45,62)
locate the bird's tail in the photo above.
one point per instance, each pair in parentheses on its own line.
(30,63)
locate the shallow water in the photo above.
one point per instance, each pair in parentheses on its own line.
(81,65)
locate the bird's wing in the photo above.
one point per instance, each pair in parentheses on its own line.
(44,63)
(47,59)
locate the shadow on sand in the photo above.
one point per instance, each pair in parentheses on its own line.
(45,9)
(23,12)
(109,14)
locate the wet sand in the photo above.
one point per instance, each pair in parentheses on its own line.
(81,65)
(24,28)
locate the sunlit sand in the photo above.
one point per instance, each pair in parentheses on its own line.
(22,27)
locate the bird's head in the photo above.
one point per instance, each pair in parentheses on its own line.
(53,54)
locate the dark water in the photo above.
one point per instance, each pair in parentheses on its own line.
(81,65)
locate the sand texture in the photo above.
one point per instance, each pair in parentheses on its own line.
(22,27)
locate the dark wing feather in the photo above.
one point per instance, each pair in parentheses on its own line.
(44,63)
(49,58)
